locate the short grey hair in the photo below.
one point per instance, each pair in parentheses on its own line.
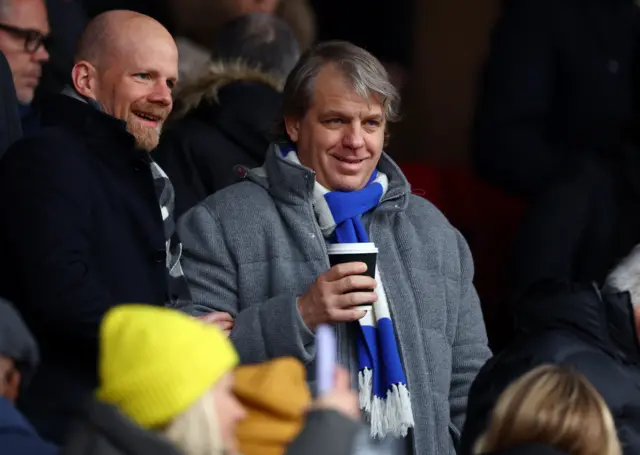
(260,40)
(365,72)
(625,277)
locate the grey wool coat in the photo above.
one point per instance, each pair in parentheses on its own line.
(253,248)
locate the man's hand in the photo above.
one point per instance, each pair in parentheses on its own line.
(342,398)
(330,299)
(224,321)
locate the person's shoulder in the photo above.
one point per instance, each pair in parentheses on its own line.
(421,208)
(53,145)
(246,200)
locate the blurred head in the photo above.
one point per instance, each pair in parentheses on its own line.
(200,20)
(24,29)
(260,40)
(170,373)
(19,355)
(129,63)
(209,426)
(337,103)
(551,405)
(9,379)
(625,277)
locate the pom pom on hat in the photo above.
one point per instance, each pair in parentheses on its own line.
(155,363)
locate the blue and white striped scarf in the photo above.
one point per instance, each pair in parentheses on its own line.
(384,396)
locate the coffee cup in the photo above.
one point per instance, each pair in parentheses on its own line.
(342,253)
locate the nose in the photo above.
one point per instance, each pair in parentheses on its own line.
(161,94)
(354,137)
(41,55)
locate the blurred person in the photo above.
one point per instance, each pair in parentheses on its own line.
(10,128)
(67,19)
(541,113)
(198,24)
(24,38)
(174,376)
(86,213)
(257,250)
(551,405)
(222,119)
(24,29)
(19,359)
(592,330)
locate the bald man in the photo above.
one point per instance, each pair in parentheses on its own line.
(85,212)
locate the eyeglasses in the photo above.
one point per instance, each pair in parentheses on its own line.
(33,39)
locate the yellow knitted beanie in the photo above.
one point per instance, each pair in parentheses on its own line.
(155,363)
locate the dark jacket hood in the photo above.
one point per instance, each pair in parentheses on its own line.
(242,103)
(103,430)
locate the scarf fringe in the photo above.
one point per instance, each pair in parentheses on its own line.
(391,416)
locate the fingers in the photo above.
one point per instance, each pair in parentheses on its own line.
(216,316)
(340,271)
(225,325)
(353,299)
(342,379)
(349,315)
(354,283)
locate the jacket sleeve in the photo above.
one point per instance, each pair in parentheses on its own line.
(470,346)
(263,330)
(511,147)
(46,218)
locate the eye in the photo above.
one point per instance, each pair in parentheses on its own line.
(374,123)
(171,84)
(143,76)
(334,121)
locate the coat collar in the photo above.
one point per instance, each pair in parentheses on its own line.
(605,319)
(105,135)
(293,184)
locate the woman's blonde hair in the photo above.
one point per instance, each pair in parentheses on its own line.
(197,431)
(552,405)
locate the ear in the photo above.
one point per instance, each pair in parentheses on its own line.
(12,385)
(293,128)
(84,77)
(266,6)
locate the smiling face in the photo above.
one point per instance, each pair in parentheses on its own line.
(341,135)
(133,82)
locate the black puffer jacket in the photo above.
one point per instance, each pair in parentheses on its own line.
(221,121)
(576,326)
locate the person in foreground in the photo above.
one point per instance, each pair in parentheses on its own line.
(86,214)
(157,369)
(257,251)
(555,406)
(19,359)
(593,331)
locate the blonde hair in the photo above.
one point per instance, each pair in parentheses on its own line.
(197,431)
(552,405)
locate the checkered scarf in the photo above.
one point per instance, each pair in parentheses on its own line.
(178,287)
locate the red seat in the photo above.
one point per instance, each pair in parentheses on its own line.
(488,218)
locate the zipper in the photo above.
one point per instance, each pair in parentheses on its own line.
(320,236)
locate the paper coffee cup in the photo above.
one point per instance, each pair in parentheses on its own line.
(342,253)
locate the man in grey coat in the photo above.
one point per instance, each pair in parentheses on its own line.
(256,257)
